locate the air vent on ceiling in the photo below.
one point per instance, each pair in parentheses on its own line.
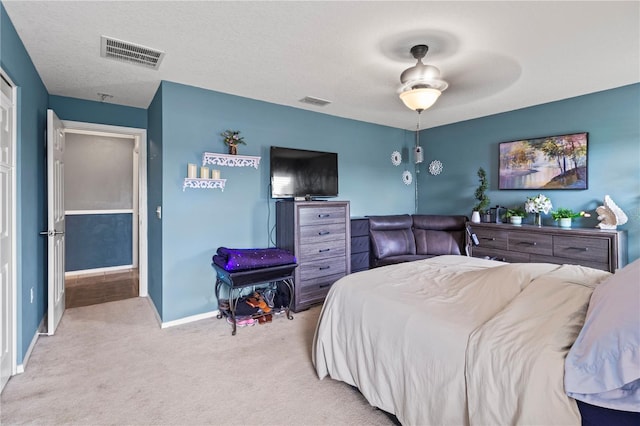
(130,52)
(314,101)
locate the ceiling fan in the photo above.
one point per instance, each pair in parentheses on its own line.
(421,84)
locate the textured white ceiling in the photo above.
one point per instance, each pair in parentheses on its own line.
(496,56)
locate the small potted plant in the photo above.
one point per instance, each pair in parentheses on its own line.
(483,200)
(563,216)
(515,215)
(232,139)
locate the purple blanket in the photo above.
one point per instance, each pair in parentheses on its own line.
(243,259)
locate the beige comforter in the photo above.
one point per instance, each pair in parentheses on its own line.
(454,340)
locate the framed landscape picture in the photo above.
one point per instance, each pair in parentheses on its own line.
(552,162)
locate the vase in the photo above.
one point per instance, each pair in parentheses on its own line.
(475,217)
(564,222)
(537,219)
(233,149)
(516,220)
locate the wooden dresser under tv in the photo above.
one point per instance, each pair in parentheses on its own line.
(318,233)
(592,247)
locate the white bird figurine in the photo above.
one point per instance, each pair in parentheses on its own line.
(610,215)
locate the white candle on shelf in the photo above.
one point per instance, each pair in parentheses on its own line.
(204,173)
(215,174)
(192,171)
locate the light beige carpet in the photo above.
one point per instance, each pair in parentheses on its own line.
(112,364)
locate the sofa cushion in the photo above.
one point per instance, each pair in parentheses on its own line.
(438,235)
(391,236)
(438,242)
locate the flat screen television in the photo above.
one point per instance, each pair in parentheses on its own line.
(299,173)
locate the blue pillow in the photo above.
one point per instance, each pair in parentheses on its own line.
(603,366)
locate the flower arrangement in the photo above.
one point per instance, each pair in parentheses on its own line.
(539,204)
(232,139)
(563,213)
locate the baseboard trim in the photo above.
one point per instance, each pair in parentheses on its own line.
(187,320)
(155,311)
(98,271)
(20,368)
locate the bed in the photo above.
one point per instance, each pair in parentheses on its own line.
(456,340)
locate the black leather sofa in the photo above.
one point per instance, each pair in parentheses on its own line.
(404,238)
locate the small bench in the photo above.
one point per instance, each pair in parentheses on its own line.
(236,281)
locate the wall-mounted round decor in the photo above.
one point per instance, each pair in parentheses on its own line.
(435,168)
(407,178)
(396,158)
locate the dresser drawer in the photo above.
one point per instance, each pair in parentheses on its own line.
(319,233)
(491,238)
(567,261)
(529,242)
(322,267)
(592,249)
(501,255)
(359,261)
(321,250)
(359,227)
(359,244)
(321,215)
(315,290)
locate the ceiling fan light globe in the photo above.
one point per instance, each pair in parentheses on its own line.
(420,99)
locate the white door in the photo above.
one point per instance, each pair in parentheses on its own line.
(7,200)
(55,223)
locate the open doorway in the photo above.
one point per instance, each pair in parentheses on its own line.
(105,209)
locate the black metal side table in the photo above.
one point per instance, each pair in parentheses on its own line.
(235,281)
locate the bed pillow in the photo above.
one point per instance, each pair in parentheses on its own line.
(603,366)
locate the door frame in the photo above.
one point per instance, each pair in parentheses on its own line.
(13,279)
(140,145)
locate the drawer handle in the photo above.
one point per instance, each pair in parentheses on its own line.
(323,250)
(323,268)
(324,232)
(579,248)
(324,285)
(527,243)
(323,215)
(487,238)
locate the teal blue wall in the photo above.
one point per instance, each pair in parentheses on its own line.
(95,241)
(31,215)
(154,199)
(196,221)
(84,111)
(612,119)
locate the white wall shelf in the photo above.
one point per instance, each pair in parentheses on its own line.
(204,183)
(230,160)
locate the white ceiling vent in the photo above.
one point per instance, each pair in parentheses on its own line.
(129,52)
(315,101)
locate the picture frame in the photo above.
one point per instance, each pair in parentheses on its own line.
(550,162)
